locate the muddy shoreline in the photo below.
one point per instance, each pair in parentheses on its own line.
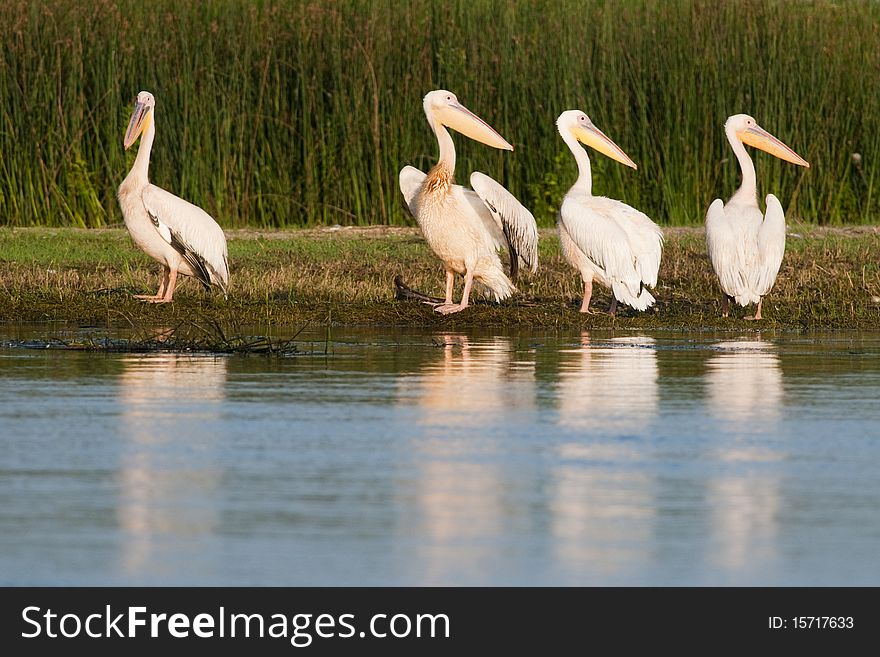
(345,276)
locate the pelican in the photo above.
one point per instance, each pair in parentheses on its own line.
(605,240)
(182,237)
(465,228)
(746,247)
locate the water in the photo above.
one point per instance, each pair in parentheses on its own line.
(402,458)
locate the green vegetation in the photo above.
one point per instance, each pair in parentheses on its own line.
(830,279)
(282,114)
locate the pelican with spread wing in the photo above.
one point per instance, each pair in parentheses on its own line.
(466,228)
(604,239)
(182,237)
(745,245)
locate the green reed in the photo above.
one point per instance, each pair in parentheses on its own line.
(273,113)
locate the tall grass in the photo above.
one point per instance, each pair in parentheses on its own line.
(273,113)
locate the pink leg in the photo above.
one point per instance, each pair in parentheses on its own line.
(588,294)
(757,314)
(466,294)
(169,289)
(448,308)
(725,304)
(612,309)
(450,285)
(162,286)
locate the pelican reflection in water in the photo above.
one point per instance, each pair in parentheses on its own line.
(609,387)
(744,385)
(456,492)
(166,479)
(603,505)
(745,398)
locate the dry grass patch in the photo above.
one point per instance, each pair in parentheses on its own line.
(829,279)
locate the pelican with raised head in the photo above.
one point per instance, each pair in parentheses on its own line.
(466,228)
(182,237)
(604,239)
(745,245)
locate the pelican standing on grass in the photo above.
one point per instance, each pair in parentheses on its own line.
(604,239)
(179,235)
(466,228)
(746,246)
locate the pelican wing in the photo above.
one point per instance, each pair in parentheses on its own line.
(514,220)
(726,252)
(771,247)
(411,180)
(592,226)
(192,232)
(645,238)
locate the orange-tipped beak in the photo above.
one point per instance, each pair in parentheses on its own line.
(137,124)
(760,138)
(594,138)
(461,119)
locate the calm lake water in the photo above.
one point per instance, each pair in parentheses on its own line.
(406,458)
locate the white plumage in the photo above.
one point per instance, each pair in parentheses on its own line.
(466,228)
(179,235)
(746,246)
(604,239)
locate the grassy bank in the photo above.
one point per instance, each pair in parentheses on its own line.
(830,279)
(288,113)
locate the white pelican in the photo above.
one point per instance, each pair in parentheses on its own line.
(466,228)
(179,235)
(604,239)
(746,247)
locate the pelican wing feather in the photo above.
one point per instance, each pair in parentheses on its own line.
(645,239)
(192,232)
(729,245)
(771,247)
(514,220)
(592,226)
(410,180)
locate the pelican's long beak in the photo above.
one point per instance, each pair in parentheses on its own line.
(594,138)
(760,138)
(137,124)
(461,119)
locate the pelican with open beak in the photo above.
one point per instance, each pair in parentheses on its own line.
(466,228)
(182,237)
(745,245)
(605,240)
